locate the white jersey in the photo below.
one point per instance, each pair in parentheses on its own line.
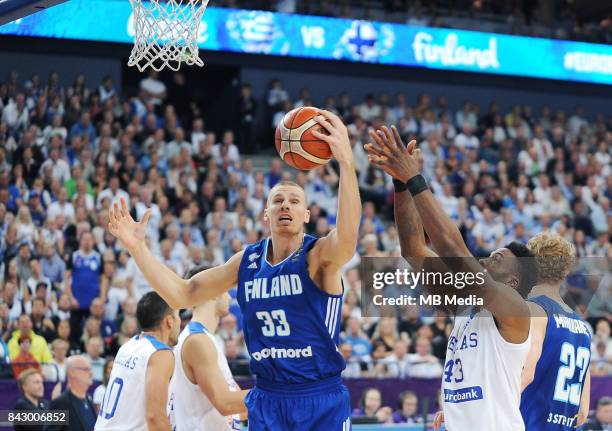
(481,385)
(123,405)
(188,408)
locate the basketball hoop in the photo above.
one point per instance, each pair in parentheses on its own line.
(166,33)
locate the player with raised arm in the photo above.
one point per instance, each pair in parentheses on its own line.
(556,378)
(290,293)
(203,393)
(488,346)
(145,358)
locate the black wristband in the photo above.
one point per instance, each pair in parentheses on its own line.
(399,186)
(416,185)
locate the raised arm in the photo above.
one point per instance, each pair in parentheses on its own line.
(176,291)
(200,355)
(407,219)
(402,165)
(338,247)
(506,305)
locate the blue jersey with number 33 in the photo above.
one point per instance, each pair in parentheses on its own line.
(551,402)
(291,327)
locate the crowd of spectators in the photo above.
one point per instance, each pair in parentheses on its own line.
(68,152)
(563,19)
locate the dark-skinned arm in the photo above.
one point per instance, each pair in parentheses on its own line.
(506,305)
(407,219)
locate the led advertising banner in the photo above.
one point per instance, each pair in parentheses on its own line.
(280,34)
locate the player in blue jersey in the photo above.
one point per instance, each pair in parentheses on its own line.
(556,378)
(290,291)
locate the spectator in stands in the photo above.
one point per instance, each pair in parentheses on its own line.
(91,329)
(98,395)
(85,266)
(356,338)
(37,277)
(52,265)
(603,416)
(16,114)
(41,324)
(248,110)
(95,348)
(422,363)
(385,335)
(369,109)
(353,364)
(396,364)
(370,405)
(153,88)
(128,328)
(24,359)
(55,370)
(55,166)
(38,346)
(238,361)
(113,193)
(274,175)
(4,351)
(31,385)
(106,90)
(75,398)
(601,360)
(488,232)
(64,333)
(276,95)
(408,409)
(61,207)
(107,328)
(10,297)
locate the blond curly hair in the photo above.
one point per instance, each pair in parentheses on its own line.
(554,255)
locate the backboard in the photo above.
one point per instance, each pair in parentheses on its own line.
(10,10)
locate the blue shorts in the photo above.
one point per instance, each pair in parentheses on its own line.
(319,406)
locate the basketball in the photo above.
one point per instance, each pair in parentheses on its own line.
(295,142)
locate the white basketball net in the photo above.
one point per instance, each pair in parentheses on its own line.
(166,33)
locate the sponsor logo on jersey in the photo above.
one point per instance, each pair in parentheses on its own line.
(282,353)
(463,395)
(265,288)
(253,256)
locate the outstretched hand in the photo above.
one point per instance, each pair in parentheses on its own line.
(337,136)
(388,152)
(121,224)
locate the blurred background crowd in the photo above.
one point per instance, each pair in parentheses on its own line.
(67,153)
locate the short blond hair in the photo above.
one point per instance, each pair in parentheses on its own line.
(25,375)
(554,254)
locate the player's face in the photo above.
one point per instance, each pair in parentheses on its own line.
(222,305)
(286,209)
(501,264)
